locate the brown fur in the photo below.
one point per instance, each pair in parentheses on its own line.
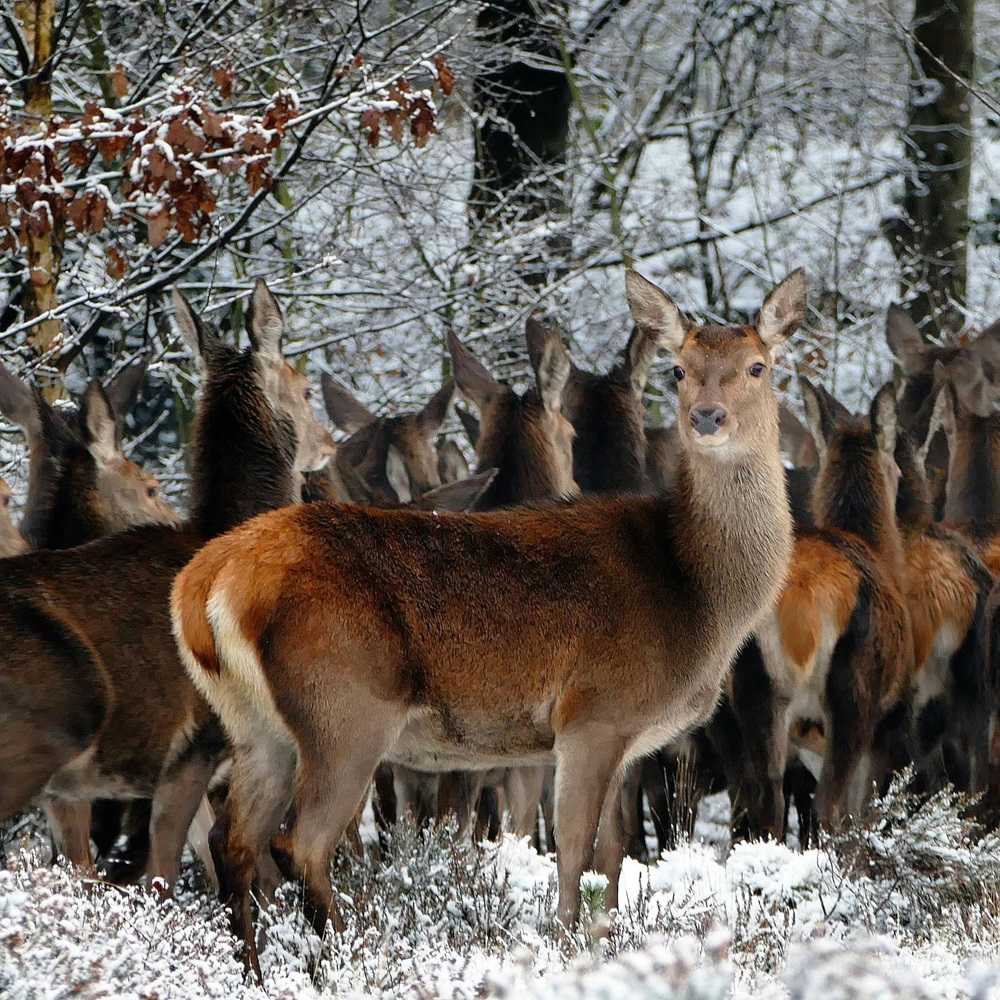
(82,622)
(587,633)
(839,650)
(388,458)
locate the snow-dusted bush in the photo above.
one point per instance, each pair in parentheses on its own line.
(924,859)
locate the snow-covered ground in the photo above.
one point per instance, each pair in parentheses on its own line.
(904,907)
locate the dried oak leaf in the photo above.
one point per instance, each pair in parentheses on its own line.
(159,226)
(77,155)
(395,120)
(422,123)
(112,147)
(446,76)
(224,77)
(115,264)
(181,136)
(119,81)
(371,119)
(88,212)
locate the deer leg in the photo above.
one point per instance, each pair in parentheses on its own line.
(384,801)
(633,832)
(458,793)
(201,826)
(176,800)
(524,795)
(587,756)
(260,793)
(659,784)
(69,823)
(609,852)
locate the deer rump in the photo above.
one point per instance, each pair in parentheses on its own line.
(481,635)
(92,641)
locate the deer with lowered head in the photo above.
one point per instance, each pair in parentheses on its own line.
(93,700)
(388,459)
(585,633)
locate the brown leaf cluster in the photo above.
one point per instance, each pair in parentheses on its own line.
(167,166)
(412,110)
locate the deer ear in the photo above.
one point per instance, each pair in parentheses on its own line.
(905,341)
(819,416)
(884,419)
(640,353)
(123,390)
(458,496)
(470,423)
(655,311)
(452,466)
(432,416)
(100,429)
(986,350)
(796,440)
(783,310)
(342,408)
(21,404)
(473,380)
(265,324)
(550,362)
(194,331)
(942,419)
(395,472)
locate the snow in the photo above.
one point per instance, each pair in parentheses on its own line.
(756,921)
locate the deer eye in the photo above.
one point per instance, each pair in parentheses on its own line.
(151,492)
(307,393)
(679,373)
(6,501)
(757,369)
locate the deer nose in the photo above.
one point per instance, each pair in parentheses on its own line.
(707,419)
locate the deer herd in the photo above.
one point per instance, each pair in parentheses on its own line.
(542,644)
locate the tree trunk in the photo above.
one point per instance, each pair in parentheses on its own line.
(522,128)
(36,19)
(930,239)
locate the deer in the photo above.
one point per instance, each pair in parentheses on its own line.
(948,587)
(80,484)
(675,779)
(529,441)
(80,487)
(388,458)
(837,649)
(584,633)
(972,368)
(109,711)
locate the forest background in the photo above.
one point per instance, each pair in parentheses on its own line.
(397,170)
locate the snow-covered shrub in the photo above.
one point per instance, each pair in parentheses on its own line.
(686,969)
(923,859)
(63,937)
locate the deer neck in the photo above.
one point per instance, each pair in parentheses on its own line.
(973,489)
(243,453)
(735,532)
